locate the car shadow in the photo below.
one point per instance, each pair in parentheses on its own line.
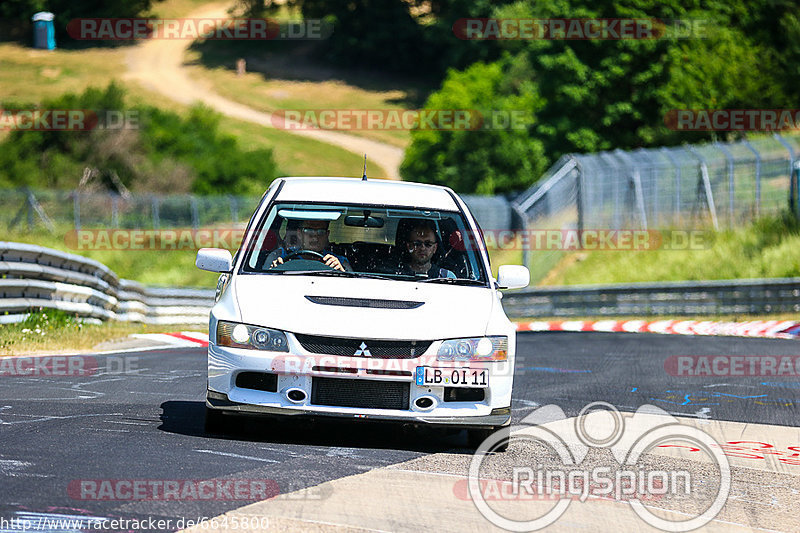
(187,418)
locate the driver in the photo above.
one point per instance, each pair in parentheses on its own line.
(314,237)
(421,246)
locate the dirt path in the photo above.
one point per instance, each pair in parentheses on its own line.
(158,65)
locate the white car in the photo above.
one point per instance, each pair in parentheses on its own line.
(361,299)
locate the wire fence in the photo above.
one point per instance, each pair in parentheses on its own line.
(23,209)
(692,186)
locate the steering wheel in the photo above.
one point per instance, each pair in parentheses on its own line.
(317,255)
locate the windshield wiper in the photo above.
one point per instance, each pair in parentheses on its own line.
(334,272)
(454,281)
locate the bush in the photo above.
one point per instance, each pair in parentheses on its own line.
(165,153)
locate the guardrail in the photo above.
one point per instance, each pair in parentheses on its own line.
(683,298)
(33,277)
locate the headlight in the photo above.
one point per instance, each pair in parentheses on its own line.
(476,349)
(251,337)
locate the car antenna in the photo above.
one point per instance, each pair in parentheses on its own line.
(364,177)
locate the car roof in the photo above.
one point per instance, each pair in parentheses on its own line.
(372,191)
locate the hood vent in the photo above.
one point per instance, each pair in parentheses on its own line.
(364,302)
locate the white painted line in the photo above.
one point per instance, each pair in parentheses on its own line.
(236,455)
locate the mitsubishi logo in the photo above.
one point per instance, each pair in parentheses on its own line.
(363,350)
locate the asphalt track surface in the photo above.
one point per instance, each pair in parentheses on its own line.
(148,423)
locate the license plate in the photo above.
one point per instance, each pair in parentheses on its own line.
(452,377)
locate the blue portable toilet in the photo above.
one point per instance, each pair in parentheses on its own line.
(44,31)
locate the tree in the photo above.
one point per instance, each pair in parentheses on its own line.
(489,159)
(606,94)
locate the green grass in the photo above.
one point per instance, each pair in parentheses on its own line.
(152,267)
(299,156)
(768,248)
(269,95)
(284,76)
(52,331)
(29,76)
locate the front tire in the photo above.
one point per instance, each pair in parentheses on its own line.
(216,423)
(476,436)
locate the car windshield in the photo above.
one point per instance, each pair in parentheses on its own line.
(404,244)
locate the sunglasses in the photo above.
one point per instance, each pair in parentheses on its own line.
(314,231)
(427,244)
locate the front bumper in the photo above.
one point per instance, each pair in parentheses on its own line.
(498,417)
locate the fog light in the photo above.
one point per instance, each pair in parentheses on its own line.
(424,402)
(296,395)
(484,347)
(240,334)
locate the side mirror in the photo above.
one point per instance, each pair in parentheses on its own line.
(214,260)
(513,277)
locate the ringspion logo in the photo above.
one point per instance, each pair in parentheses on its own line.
(562,474)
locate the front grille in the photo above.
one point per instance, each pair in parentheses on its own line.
(359,393)
(257,381)
(371,348)
(364,302)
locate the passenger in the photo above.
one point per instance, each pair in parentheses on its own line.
(421,245)
(313,237)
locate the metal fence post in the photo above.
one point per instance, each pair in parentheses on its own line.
(789,148)
(731,197)
(156,220)
(706,185)
(792,184)
(195,213)
(30,201)
(637,186)
(114,210)
(758,174)
(579,199)
(677,168)
(794,191)
(76,209)
(234,210)
(616,218)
